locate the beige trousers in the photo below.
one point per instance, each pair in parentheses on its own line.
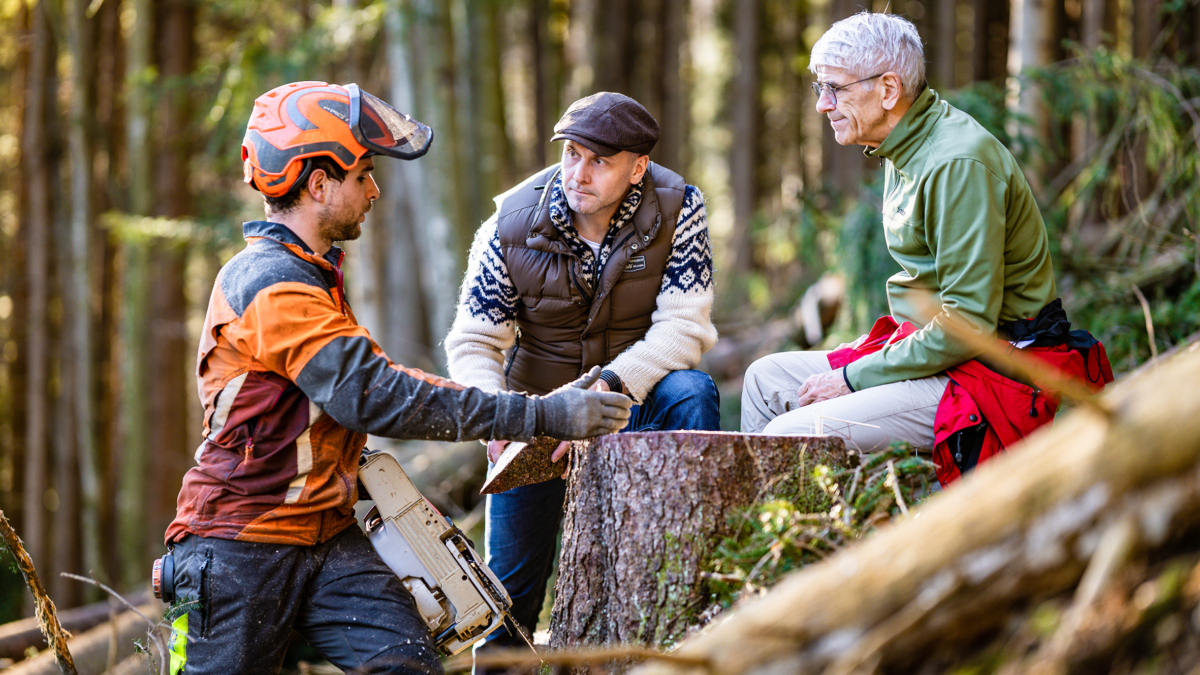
(901,411)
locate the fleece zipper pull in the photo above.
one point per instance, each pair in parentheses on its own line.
(1032,403)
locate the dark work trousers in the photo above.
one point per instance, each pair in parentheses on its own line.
(339,595)
(522,524)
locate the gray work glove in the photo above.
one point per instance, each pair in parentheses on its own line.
(573,412)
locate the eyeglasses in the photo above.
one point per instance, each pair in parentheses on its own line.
(822,88)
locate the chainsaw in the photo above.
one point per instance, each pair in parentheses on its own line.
(460,599)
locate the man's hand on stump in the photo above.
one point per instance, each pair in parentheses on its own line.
(822,387)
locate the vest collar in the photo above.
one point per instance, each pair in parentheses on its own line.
(640,205)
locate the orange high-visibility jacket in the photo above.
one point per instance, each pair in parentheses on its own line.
(291,386)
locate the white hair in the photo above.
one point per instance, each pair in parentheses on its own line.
(868,44)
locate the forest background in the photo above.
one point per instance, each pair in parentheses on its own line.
(121,193)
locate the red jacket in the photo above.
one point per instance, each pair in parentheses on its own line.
(983,412)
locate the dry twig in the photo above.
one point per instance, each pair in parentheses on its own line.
(152,632)
(1149,321)
(524,658)
(47,617)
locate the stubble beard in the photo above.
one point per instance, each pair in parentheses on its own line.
(578,205)
(340,224)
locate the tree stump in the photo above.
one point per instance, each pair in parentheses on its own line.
(644,513)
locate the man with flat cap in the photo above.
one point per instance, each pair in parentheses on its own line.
(600,260)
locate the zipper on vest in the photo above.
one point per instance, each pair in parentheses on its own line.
(512,358)
(575,280)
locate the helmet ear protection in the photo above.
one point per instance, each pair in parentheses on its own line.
(298,121)
(293,178)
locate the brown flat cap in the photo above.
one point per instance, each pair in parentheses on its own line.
(607,123)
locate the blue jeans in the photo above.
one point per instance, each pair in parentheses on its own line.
(522,524)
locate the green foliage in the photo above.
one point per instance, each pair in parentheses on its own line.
(863,258)
(1125,210)
(779,534)
(12,586)
(180,607)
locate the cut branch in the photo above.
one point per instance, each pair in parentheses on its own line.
(44,609)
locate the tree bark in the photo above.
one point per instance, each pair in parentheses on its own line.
(944,42)
(423,238)
(746,116)
(37,154)
(1018,530)
(418,28)
(645,511)
(1033,31)
(169,385)
(132,428)
(78,295)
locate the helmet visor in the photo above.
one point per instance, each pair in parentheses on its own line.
(384,130)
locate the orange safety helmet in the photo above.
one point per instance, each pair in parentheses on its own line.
(300,120)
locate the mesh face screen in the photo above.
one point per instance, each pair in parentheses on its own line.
(391,131)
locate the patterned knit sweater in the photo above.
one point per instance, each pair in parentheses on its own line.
(485,326)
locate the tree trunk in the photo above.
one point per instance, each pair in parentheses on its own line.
(989,58)
(672,108)
(745,122)
(944,43)
(37,154)
(169,384)
(423,26)
(1092,492)
(79,280)
(132,459)
(110,158)
(1033,33)
(18,636)
(644,513)
(424,230)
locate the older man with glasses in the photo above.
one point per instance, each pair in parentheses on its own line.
(959,219)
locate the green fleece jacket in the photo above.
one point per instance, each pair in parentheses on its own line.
(962,223)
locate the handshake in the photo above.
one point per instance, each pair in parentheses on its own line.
(573,411)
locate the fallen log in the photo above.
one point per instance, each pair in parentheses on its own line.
(645,512)
(93,649)
(138,664)
(18,636)
(1066,515)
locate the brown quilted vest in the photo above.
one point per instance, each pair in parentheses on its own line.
(565,325)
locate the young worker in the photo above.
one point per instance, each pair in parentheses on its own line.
(264,537)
